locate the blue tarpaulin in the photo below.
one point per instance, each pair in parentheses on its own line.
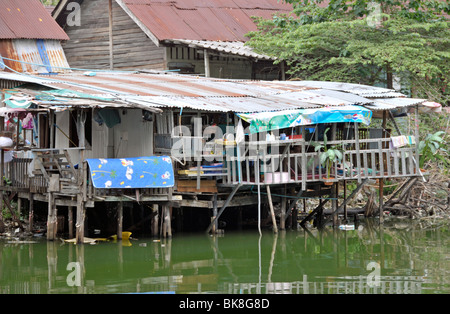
(137,172)
(267,121)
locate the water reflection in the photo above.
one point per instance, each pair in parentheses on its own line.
(407,260)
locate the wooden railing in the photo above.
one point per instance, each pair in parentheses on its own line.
(371,159)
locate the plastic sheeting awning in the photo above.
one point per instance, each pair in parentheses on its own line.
(136,172)
(266,121)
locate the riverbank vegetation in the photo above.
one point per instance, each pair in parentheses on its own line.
(397,44)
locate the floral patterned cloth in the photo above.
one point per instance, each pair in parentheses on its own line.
(137,172)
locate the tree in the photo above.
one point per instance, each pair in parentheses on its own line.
(365,42)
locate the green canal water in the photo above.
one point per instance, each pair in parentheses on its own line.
(400,258)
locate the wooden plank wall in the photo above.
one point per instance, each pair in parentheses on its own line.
(88,46)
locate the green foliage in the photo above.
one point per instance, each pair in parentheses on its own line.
(329,155)
(433,148)
(49,2)
(353,42)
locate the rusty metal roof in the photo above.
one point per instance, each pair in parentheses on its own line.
(158,90)
(218,20)
(20,19)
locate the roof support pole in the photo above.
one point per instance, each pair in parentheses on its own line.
(207,68)
(111,46)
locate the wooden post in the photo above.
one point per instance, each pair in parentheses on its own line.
(381,181)
(358,156)
(417,136)
(70,221)
(111,44)
(52,220)
(214,214)
(272,213)
(283,70)
(345,196)
(334,203)
(227,202)
(2,163)
(283,210)
(119,220)
(81,212)
(167,227)
(31,213)
(207,66)
(155,221)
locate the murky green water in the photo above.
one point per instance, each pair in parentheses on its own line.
(407,258)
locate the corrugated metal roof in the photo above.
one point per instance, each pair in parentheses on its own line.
(393,103)
(28,19)
(226,47)
(217,20)
(357,89)
(215,95)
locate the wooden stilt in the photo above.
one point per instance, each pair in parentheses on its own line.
(345,196)
(227,202)
(167,224)
(293,203)
(317,210)
(155,221)
(214,214)
(358,188)
(19,206)
(52,220)
(31,214)
(334,203)
(119,220)
(283,211)
(272,213)
(81,213)
(70,221)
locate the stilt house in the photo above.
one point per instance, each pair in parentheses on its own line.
(174,142)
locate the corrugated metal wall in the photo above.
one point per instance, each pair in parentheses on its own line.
(32,53)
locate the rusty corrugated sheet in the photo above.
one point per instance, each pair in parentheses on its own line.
(28,19)
(225,20)
(30,59)
(138,90)
(8,50)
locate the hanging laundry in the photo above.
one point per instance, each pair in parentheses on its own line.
(402,140)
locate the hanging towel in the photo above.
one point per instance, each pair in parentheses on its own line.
(402,140)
